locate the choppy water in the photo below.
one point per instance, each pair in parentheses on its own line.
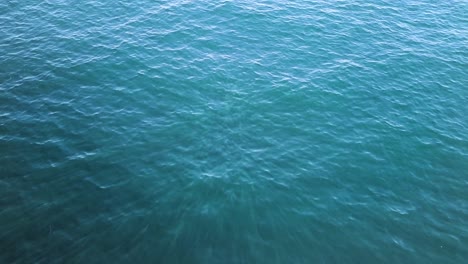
(234,131)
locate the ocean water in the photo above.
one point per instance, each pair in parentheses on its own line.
(234,131)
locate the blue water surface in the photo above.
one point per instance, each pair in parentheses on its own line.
(235,131)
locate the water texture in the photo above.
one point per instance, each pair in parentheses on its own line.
(234,131)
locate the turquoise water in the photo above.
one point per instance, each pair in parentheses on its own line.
(234,131)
